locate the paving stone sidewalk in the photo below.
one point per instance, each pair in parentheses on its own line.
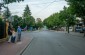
(14,48)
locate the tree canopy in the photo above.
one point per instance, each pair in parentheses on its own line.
(78,7)
(64,18)
(54,21)
(39,23)
(10,1)
(27,11)
(28,19)
(7,13)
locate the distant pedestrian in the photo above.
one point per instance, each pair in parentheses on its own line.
(13,35)
(19,33)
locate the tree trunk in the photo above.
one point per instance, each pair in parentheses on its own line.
(73,28)
(68,28)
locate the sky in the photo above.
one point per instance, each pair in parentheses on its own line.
(39,8)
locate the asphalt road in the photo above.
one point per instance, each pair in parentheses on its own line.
(55,43)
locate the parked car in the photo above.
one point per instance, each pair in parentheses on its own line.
(79,29)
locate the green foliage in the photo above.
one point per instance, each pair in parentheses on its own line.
(54,21)
(11,1)
(7,13)
(28,19)
(0,20)
(32,21)
(27,11)
(78,7)
(39,24)
(67,16)
(27,15)
(17,21)
(64,18)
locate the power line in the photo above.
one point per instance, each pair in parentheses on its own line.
(45,7)
(41,3)
(47,2)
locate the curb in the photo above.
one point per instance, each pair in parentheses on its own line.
(76,35)
(73,34)
(21,52)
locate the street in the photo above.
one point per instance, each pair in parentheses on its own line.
(55,43)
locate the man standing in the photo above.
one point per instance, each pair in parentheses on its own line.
(19,33)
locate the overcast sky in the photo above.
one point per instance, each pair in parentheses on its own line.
(39,8)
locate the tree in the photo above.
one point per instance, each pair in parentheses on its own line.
(11,1)
(54,21)
(32,21)
(7,2)
(7,13)
(64,18)
(78,8)
(17,21)
(28,19)
(27,11)
(27,15)
(39,23)
(58,22)
(68,17)
(49,22)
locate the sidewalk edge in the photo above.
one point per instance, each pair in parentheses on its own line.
(21,52)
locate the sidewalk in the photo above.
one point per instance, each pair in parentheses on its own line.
(14,48)
(77,34)
(73,33)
